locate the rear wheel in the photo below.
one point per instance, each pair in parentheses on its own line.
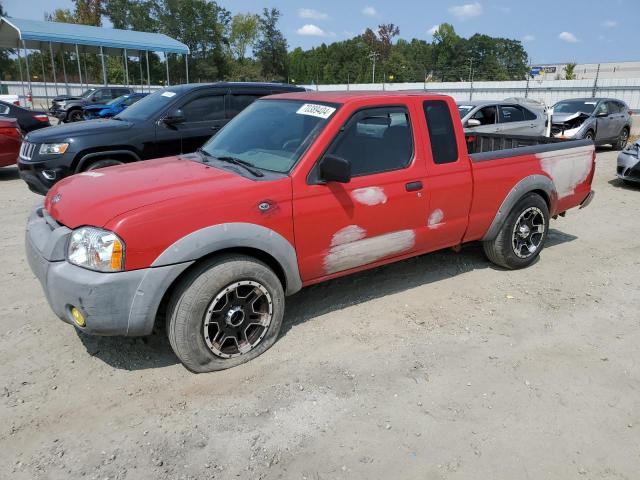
(225,312)
(75,116)
(522,235)
(622,139)
(106,162)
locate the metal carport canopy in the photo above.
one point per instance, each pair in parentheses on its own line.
(14,31)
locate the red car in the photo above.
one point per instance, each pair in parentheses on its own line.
(10,140)
(297,189)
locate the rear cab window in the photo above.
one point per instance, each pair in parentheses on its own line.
(442,136)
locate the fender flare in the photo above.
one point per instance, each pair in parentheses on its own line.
(524,186)
(102,153)
(225,236)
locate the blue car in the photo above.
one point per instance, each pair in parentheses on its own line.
(112,108)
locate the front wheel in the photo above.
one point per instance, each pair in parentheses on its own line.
(75,116)
(522,235)
(225,312)
(105,162)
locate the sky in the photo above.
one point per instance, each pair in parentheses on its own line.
(552,31)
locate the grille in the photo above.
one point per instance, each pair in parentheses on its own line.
(26,150)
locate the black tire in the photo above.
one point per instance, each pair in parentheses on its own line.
(622,140)
(590,135)
(193,300)
(75,115)
(105,162)
(502,249)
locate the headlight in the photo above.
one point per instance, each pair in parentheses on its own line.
(96,249)
(53,148)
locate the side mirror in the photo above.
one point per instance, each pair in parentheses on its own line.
(473,122)
(174,117)
(335,169)
(602,114)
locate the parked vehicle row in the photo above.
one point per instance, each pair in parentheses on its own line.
(171,121)
(112,107)
(69,108)
(602,120)
(297,189)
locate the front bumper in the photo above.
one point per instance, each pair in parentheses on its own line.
(628,166)
(122,303)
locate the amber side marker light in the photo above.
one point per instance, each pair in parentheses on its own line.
(116,256)
(78,317)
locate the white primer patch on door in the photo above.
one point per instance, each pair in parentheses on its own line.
(435,219)
(567,168)
(315,110)
(369,196)
(348,234)
(367,250)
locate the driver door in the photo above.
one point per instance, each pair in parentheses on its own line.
(380,213)
(604,122)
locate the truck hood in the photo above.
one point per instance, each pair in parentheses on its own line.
(59,133)
(66,98)
(95,197)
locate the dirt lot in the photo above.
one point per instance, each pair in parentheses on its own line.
(438,367)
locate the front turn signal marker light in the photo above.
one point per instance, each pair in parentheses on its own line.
(78,317)
(116,256)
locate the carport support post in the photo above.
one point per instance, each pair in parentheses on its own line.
(104,69)
(140,65)
(166,64)
(26,59)
(126,68)
(148,74)
(53,67)
(186,65)
(64,72)
(44,78)
(79,68)
(21,79)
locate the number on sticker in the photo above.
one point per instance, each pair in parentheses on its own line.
(321,111)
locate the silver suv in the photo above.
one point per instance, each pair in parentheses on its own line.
(603,120)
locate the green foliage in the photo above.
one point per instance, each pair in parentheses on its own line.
(243,34)
(271,47)
(570,71)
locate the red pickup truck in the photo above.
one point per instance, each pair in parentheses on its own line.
(298,189)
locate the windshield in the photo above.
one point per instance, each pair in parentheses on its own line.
(116,100)
(271,134)
(575,107)
(148,106)
(88,92)
(464,110)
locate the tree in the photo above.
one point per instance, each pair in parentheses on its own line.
(244,32)
(271,47)
(569,71)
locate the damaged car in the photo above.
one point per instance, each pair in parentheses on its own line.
(629,164)
(602,120)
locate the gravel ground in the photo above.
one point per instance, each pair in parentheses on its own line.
(437,367)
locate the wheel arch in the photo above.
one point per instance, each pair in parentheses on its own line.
(539,184)
(124,154)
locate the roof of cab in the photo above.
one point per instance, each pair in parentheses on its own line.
(349,96)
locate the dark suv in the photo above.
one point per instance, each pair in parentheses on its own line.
(69,108)
(168,122)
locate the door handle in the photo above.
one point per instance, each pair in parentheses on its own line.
(215,128)
(413,186)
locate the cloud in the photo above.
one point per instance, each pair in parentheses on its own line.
(568,37)
(609,23)
(432,31)
(370,11)
(467,11)
(528,38)
(311,30)
(313,14)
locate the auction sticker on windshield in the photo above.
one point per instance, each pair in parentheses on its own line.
(168,94)
(321,111)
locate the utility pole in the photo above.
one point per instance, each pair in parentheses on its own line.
(374,57)
(595,83)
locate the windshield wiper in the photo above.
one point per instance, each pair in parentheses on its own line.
(236,161)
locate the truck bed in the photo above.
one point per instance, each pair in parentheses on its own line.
(491,142)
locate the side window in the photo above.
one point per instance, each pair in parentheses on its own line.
(510,114)
(486,115)
(240,101)
(614,107)
(528,114)
(441,134)
(4,110)
(206,108)
(376,140)
(602,108)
